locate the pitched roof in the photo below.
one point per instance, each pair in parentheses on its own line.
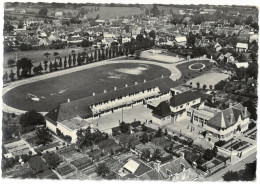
(162,110)
(242,45)
(224,118)
(176,166)
(81,107)
(181,39)
(183,98)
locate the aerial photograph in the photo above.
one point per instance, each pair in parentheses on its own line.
(110,91)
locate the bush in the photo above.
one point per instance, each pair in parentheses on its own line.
(251,125)
(220,143)
(203,168)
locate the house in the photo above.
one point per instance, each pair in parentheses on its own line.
(162,114)
(228,57)
(241,47)
(242,65)
(58,14)
(220,124)
(180,41)
(217,47)
(180,102)
(253,37)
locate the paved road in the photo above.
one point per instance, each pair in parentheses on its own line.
(236,167)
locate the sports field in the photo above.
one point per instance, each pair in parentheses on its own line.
(211,78)
(80,84)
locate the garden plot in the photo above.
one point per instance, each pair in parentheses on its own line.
(18,147)
(81,163)
(64,169)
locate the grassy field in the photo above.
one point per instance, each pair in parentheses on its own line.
(108,12)
(79,85)
(37,55)
(104,12)
(211,78)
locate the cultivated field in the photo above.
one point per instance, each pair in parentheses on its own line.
(80,84)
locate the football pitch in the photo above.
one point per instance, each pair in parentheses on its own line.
(53,91)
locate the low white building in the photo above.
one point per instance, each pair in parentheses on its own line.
(241,47)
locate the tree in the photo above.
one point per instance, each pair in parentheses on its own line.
(52,159)
(102,170)
(157,154)
(26,65)
(97,17)
(204,87)
(45,65)
(5,76)
(152,34)
(158,133)
(155,11)
(74,60)
(198,85)
(232,176)
(65,62)
(11,75)
(10,62)
(43,136)
(209,154)
(124,128)
(144,138)
(210,87)
(47,54)
(31,118)
(43,12)
(146,154)
(69,61)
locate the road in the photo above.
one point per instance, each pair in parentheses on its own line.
(235,167)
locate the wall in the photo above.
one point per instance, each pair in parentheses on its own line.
(67,131)
(50,126)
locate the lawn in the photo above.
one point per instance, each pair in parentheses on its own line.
(80,84)
(210,78)
(37,55)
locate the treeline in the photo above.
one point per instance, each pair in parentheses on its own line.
(25,66)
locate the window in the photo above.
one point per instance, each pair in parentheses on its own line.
(193,101)
(189,114)
(195,118)
(181,106)
(188,103)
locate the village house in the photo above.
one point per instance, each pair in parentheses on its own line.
(241,47)
(180,41)
(162,114)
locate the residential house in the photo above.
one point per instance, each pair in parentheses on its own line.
(241,47)
(220,124)
(253,37)
(180,41)
(242,65)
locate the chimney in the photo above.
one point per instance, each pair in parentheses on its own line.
(68,100)
(230,105)
(105,91)
(215,112)
(126,85)
(245,111)
(144,80)
(231,118)
(182,155)
(114,88)
(136,83)
(157,165)
(94,94)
